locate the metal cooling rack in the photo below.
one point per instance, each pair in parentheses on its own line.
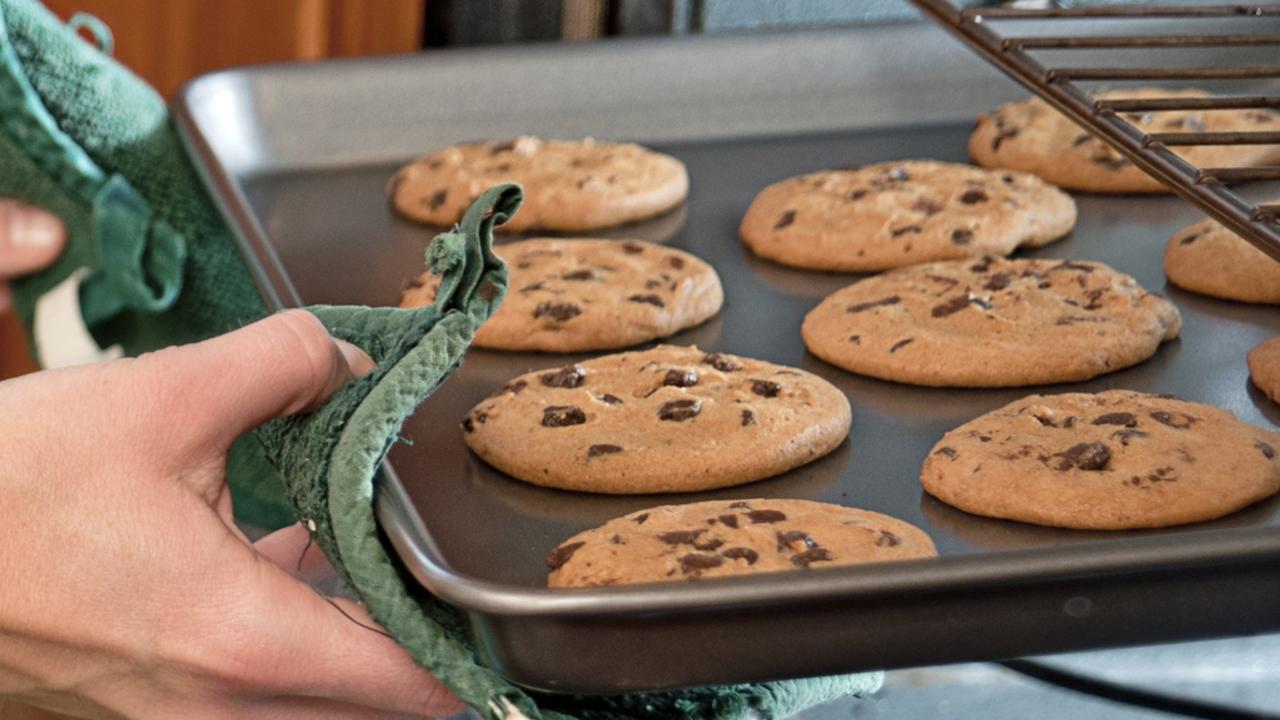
(1205,187)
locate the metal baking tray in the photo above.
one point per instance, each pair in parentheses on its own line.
(298,157)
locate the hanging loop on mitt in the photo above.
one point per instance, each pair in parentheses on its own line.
(100,31)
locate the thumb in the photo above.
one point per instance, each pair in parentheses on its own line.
(30,239)
(282,365)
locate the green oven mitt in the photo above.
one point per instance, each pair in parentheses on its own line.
(330,461)
(150,263)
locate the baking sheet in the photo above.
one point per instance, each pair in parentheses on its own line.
(325,234)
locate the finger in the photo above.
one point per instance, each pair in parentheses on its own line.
(224,387)
(292,550)
(295,708)
(285,547)
(30,239)
(333,649)
(239,705)
(427,695)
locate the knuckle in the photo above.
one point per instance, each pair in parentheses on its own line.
(308,349)
(305,330)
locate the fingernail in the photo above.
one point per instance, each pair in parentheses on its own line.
(33,229)
(357,360)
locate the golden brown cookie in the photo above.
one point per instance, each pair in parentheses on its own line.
(670,419)
(903,213)
(570,185)
(1108,461)
(1033,137)
(1264,367)
(991,323)
(575,295)
(731,537)
(1209,259)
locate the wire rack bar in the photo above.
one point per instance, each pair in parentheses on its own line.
(1267,172)
(1209,103)
(1138,41)
(1191,73)
(1214,138)
(1122,11)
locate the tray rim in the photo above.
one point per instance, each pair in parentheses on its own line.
(1128,556)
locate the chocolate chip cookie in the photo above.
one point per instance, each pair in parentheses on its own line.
(991,323)
(731,537)
(575,295)
(903,213)
(570,185)
(670,419)
(1209,259)
(1264,367)
(1033,137)
(1108,461)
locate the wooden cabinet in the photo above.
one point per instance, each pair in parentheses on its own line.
(168,42)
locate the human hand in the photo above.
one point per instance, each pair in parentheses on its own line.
(30,240)
(128,589)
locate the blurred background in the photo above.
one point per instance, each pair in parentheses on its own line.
(170,41)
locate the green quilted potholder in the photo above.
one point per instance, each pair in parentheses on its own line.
(330,463)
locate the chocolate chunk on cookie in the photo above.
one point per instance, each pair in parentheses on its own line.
(1209,259)
(1129,460)
(903,213)
(576,295)
(572,186)
(1033,137)
(670,419)
(718,539)
(993,323)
